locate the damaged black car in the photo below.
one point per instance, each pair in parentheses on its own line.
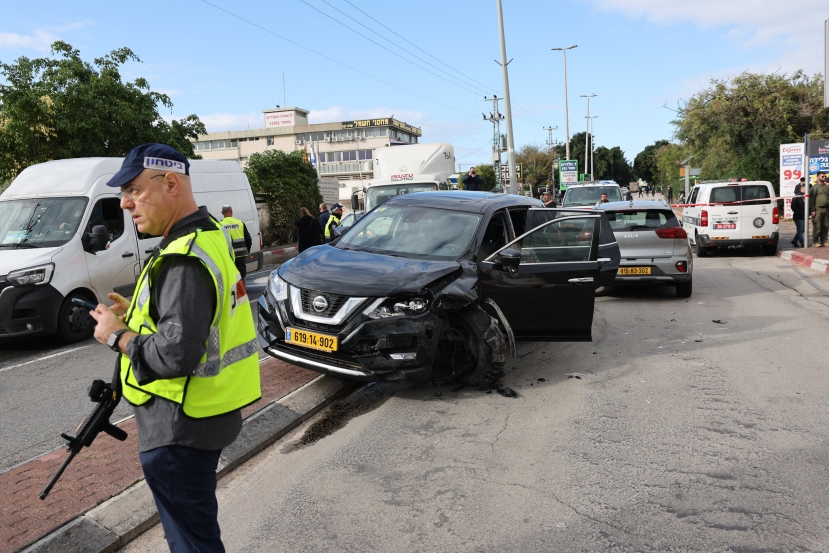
(440,286)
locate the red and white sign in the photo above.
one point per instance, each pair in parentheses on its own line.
(791,169)
(279,119)
(402,177)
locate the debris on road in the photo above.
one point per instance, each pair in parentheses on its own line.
(507,392)
(574,375)
(698,340)
(719,321)
(542,380)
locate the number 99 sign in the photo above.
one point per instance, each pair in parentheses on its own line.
(790,174)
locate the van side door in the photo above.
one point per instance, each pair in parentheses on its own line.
(113,269)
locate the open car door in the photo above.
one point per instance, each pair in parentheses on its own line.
(545,280)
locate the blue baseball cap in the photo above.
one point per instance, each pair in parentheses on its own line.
(335,207)
(150,156)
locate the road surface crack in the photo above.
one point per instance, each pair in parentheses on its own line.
(785,285)
(498,435)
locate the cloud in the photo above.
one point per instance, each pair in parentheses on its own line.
(40,40)
(218,122)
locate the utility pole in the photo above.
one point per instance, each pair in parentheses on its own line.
(587,131)
(592,148)
(495,118)
(566,107)
(513,180)
(550,145)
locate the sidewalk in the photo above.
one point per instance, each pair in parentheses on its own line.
(99,472)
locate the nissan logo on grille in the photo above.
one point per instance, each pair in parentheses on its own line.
(319,304)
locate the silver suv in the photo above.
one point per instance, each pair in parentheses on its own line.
(587,195)
(654,247)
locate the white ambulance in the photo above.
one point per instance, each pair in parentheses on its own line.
(56,219)
(732,213)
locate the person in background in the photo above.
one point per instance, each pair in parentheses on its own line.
(333,222)
(548,200)
(472,181)
(670,194)
(799,212)
(324,215)
(239,236)
(604,199)
(310,232)
(820,210)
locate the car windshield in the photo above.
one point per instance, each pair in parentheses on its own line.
(410,231)
(641,219)
(39,222)
(379,194)
(589,195)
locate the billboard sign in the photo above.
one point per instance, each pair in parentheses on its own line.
(279,119)
(568,172)
(818,158)
(791,169)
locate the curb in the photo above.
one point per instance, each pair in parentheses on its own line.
(277,251)
(122,518)
(808,261)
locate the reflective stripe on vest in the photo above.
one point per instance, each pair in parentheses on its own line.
(236,230)
(227,376)
(332,219)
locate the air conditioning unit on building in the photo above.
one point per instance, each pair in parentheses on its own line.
(339,139)
(298,141)
(328,139)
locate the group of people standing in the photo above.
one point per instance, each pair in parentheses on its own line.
(818,209)
(314,231)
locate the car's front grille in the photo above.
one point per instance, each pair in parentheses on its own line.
(334,303)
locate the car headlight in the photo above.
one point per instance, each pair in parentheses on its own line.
(34,275)
(397,307)
(278,287)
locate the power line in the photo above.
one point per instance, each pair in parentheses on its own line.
(415,45)
(489,143)
(387,49)
(333,60)
(483,90)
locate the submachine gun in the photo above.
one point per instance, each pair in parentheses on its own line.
(106,399)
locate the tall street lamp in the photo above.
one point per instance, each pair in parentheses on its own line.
(566,110)
(587,131)
(592,147)
(513,180)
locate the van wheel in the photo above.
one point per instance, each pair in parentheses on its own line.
(770,249)
(463,350)
(701,251)
(684,289)
(74,322)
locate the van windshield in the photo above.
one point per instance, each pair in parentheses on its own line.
(39,222)
(589,195)
(379,194)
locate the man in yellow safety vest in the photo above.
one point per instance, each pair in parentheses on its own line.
(188,360)
(333,222)
(239,237)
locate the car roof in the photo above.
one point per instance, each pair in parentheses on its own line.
(733,183)
(460,200)
(640,204)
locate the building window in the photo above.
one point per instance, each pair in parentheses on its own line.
(366,154)
(199,146)
(223,144)
(270,141)
(350,156)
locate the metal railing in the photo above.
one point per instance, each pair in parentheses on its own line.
(344,167)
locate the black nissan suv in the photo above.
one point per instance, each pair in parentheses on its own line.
(439,285)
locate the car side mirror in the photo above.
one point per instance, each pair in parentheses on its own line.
(509,258)
(355,202)
(96,240)
(339,230)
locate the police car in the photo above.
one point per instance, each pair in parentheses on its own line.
(732,213)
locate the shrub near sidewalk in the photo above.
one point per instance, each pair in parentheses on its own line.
(287,182)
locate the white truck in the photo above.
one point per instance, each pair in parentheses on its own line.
(404,170)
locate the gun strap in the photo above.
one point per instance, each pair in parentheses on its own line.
(116,379)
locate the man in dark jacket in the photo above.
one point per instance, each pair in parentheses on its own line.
(472,181)
(548,200)
(324,215)
(799,211)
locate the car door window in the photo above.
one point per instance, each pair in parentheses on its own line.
(694,194)
(725,195)
(568,240)
(755,194)
(518,218)
(495,236)
(107,212)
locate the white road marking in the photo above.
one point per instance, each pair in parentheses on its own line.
(43,358)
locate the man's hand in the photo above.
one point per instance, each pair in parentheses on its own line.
(121,305)
(108,322)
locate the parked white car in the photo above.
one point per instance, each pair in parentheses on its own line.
(732,213)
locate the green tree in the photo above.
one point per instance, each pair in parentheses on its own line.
(488,174)
(644,164)
(734,127)
(287,182)
(612,165)
(63,107)
(535,163)
(577,149)
(668,158)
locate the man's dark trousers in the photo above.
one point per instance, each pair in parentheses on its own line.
(183,482)
(241,265)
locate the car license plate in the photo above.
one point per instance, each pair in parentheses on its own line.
(634,270)
(725,226)
(311,340)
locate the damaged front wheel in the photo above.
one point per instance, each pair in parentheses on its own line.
(473,347)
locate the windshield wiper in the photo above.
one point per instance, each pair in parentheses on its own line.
(24,245)
(636,227)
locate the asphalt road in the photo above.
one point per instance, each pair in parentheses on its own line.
(682,434)
(43,385)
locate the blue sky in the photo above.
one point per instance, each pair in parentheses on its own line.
(636,55)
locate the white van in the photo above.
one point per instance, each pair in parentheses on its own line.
(48,254)
(732,213)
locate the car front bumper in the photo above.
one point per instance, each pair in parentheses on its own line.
(367,347)
(28,310)
(707,242)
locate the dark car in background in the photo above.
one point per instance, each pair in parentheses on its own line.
(438,285)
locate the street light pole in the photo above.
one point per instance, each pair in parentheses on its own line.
(587,132)
(513,180)
(566,107)
(592,148)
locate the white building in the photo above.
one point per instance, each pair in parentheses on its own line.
(343,150)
